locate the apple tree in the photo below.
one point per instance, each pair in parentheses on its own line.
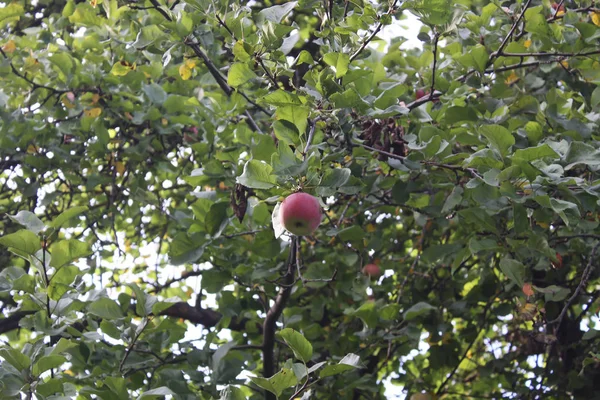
(146,147)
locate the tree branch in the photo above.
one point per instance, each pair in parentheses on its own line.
(498,52)
(375,32)
(11,322)
(270,323)
(584,279)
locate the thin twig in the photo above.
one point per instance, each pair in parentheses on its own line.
(582,284)
(135,339)
(436,38)
(375,32)
(224,25)
(311,133)
(498,52)
(271,77)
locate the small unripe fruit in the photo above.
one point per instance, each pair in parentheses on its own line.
(300,213)
(372,270)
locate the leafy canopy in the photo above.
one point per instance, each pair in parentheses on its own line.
(145,146)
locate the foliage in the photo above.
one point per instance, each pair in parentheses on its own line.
(144,146)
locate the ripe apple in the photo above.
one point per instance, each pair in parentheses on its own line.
(419,93)
(300,213)
(372,270)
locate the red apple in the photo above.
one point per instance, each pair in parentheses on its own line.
(372,270)
(419,93)
(300,213)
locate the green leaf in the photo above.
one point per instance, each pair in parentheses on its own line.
(282,380)
(118,386)
(349,362)
(23,241)
(60,282)
(418,310)
(368,314)
(335,177)
(216,219)
(239,73)
(300,346)
(286,131)
(232,393)
(581,153)
(65,216)
(86,15)
(281,98)
(479,218)
(143,302)
(67,251)
(499,138)
(339,62)
(12,12)
(257,175)
(105,308)
(554,293)
(535,153)
(480,56)
(453,200)
(155,93)
(15,358)
(297,115)
(147,36)
(559,207)
(264,384)
(62,346)
(64,62)
(46,363)
(29,221)
(277,13)
(158,392)
(184,250)
(514,270)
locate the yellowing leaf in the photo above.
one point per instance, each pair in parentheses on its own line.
(93,112)
(528,311)
(94,3)
(67,103)
(32,149)
(565,64)
(191,64)
(31,64)
(527,43)
(371,228)
(95,98)
(120,167)
(185,72)
(512,78)
(595,18)
(122,68)
(9,47)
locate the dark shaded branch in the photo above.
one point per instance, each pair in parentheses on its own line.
(184,276)
(436,38)
(582,284)
(158,8)
(12,322)
(270,323)
(466,352)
